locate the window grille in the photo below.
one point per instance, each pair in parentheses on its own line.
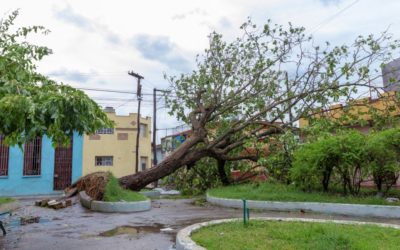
(32,157)
(104,160)
(106,131)
(4,155)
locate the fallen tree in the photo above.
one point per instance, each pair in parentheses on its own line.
(245,91)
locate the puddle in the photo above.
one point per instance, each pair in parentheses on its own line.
(131,230)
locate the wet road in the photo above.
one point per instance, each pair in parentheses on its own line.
(78,228)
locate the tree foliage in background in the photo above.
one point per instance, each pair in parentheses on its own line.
(197,179)
(33,105)
(280,160)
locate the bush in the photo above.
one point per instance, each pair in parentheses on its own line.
(280,160)
(383,151)
(337,158)
(196,179)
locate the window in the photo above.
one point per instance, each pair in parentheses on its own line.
(143,163)
(143,130)
(4,154)
(32,157)
(105,131)
(104,160)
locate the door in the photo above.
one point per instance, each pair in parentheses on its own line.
(63,167)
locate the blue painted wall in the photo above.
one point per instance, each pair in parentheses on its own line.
(16,184)
(77,151)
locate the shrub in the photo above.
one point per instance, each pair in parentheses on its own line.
(196,179)
(339,158)
(383,151)
(279,162)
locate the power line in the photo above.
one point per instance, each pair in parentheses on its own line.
(116,91)
(326,21)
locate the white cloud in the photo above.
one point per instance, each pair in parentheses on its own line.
(95,43)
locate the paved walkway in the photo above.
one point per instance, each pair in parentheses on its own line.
(78,228)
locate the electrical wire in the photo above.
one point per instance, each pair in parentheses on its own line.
(329,19)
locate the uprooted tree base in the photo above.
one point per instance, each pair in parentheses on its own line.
(93,184)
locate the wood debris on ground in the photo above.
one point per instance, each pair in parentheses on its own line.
(29,220)
(55,204)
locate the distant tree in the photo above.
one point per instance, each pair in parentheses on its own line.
(33,105)
(269,74)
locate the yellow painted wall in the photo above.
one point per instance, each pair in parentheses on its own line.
(360,107)
(123,151)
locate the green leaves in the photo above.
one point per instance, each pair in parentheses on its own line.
(33,105)
(349,157)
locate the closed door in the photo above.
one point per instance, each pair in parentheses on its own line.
(63,167)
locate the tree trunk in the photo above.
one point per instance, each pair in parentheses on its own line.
(221,171)
(182,156)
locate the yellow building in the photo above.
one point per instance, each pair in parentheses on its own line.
(387,104)
(114,149)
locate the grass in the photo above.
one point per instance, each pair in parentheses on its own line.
(4,200)
(114,192)
(296,235)
(278,192)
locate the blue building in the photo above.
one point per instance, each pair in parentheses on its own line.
(39,168)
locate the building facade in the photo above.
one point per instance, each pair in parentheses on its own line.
(385,105)
(114,149)
(39,168)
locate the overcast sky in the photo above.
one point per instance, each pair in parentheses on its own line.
(96,42)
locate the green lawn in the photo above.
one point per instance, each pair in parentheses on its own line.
(296,235)
(114,192)
(279,192)
(4,200)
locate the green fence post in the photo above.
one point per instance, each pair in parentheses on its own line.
(244,212)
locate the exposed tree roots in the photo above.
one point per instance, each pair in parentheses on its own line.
(93,184)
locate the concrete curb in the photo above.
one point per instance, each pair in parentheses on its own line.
(358,210)
(151,193)
(113,207)
(184,242)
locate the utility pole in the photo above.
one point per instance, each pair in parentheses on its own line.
(154,127)
(155,123)
(139,97)
(155,161)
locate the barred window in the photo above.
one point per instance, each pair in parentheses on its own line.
(4,155)
(32,157)
(104,160)
(106,131)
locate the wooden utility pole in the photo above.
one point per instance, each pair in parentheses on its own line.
(154,127)
(139,97)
